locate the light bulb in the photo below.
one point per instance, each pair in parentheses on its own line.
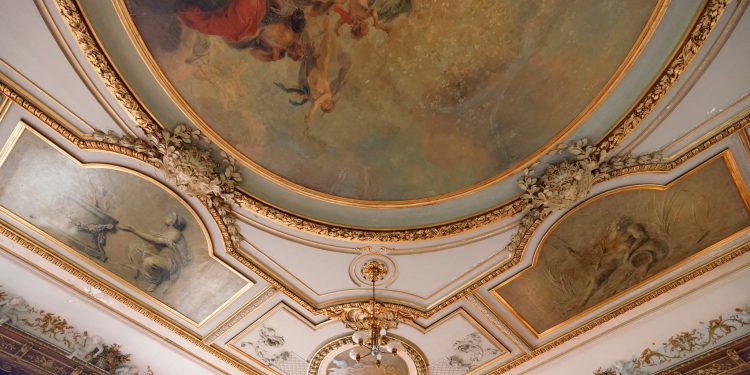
(359,337)
(357,353)
(383,332)
(392,347)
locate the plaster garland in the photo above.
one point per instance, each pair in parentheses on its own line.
(186,161)
(683,344)
(566,182)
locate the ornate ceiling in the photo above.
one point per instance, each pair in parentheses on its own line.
(543,182)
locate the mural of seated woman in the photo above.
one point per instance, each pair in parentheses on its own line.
(159,257)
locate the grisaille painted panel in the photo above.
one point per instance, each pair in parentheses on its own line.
(387,100)
(621,239)
(119,222)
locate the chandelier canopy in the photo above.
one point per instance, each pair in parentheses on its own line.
(371,335)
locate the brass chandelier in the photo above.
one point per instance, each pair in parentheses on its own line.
(371,337)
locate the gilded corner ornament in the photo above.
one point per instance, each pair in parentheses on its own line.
(565,182)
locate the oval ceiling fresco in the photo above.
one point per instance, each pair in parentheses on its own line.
(389,100)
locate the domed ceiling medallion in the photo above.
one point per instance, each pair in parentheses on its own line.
(388,101)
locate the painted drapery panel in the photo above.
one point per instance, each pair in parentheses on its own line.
(388,100)
(622,238)
(119,222)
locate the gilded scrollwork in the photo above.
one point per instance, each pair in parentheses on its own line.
(683,344)
(359,316)
(103,67)
(183,165)
(567,181)
(56,331)
(336,345)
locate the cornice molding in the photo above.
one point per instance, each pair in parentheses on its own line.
(94,53)
(614,167)
(55,331)
(414,354)
(684,345)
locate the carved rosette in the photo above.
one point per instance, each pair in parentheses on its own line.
(374,270)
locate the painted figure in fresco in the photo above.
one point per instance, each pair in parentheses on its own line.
(10,308)
(159,257)
(96,225)
(314,84)
(624,256)
(360,12)
(270,29)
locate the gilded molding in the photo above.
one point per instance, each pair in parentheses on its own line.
(638,301)
(417,358)
(615,167)
(55,331)
(684,344)
(699,33)
(56,260)
(238,316)
(71,15)
(100,62)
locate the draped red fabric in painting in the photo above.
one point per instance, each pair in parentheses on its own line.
(238,20)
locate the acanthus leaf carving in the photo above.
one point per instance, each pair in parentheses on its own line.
(186,161)
(566,182)
(360,316)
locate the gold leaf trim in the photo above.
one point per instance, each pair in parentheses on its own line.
(689,48)
(638,301)
(120,297)
(416,357)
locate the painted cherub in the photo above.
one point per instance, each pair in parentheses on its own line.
(315,86)
(360,13)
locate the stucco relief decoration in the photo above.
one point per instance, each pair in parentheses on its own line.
(356,316)
(568,181)
(468,353)
(684,344)
(269,348)
(55,330)
(184,158)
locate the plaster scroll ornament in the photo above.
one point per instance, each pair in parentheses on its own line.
(56,331)
(684,344)
(9,309)
(186,161)
(469,352)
